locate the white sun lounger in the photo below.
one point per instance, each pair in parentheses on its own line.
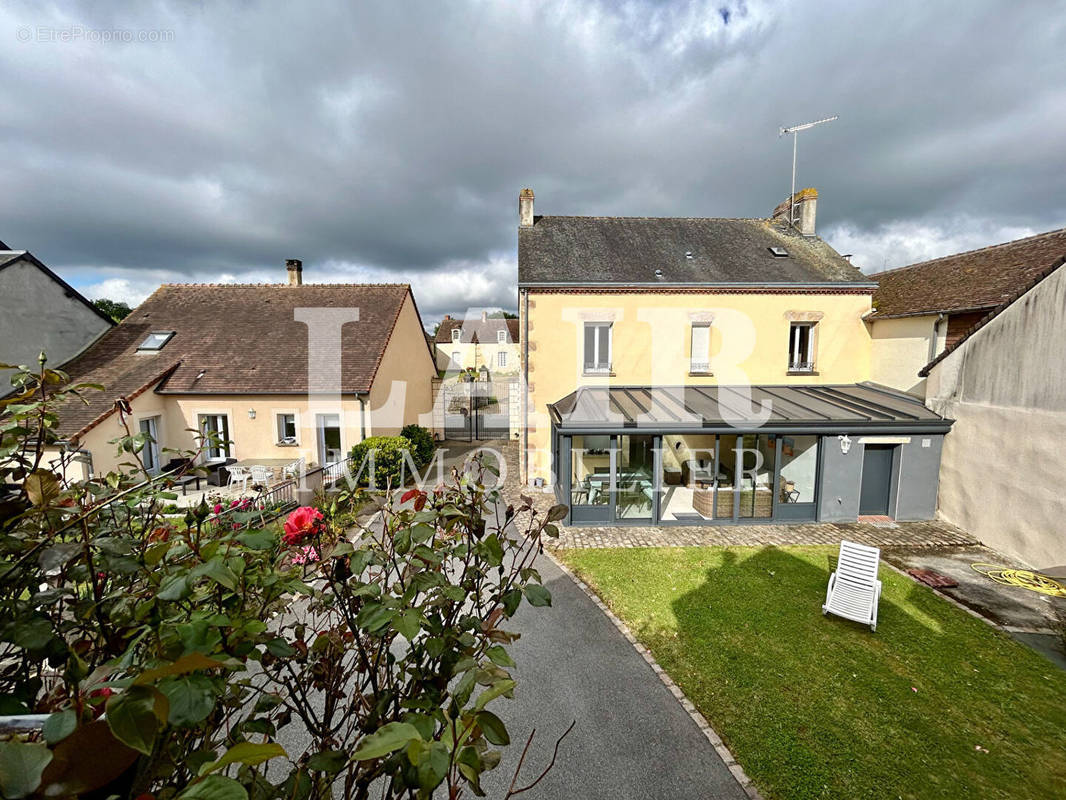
(854,588)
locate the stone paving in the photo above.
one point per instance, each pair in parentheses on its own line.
(910,535)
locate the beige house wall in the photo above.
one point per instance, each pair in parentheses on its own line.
(1002,468)
(402,392)
(651,335)
(900,348)
(474,356)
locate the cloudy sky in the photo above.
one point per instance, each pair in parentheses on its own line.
(387,141)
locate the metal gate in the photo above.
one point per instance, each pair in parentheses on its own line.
(478,410)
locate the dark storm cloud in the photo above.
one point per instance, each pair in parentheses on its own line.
(388,141)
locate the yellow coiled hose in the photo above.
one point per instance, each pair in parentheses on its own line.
(1026,579)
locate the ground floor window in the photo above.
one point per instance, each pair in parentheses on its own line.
(150,453)
(286,428)
(215,430)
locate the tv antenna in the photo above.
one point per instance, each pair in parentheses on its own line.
(794,130)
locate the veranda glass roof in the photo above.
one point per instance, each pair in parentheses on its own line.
(826,408)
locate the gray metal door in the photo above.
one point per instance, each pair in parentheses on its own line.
(876,479)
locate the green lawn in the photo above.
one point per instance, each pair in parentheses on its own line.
(817,706)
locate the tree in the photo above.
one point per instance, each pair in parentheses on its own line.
(115,309)
(502,315)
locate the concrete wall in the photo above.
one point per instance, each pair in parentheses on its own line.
(1004,461)
(37,314)
(651,341)
(899,348)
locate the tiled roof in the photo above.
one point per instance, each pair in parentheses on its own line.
(1021,292)
(629,250)
(231,339)
(978,279)
(476,330)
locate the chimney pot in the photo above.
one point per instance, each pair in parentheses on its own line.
(525,208)
(803,206)
(447,316)
(295,268)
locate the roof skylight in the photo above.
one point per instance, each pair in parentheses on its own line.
(155,341)
(778,252)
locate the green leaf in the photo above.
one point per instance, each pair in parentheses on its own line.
(499,655)
(331,761)
(408,624)
(34,633)
(191,697)
(216,570)
(556,513)
(280,648)
(388,738)
(374,617)
(187,663)
(494,691)
(21,765)
(174,588)
(493,728)
(214,787)
(537,595)
(135,716)
(511,601)
(246,753)
(258,540)
(59,726)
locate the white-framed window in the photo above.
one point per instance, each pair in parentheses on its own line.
(455,334)
(700,350)
(501,337)
(150,453)
(286,422)
(501,359)
(597,352)
(456,359)
(219,446)
(801,347)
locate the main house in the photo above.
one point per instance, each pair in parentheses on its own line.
(485,344)
(680,370)
(41,312)
(922,309)
(278,372)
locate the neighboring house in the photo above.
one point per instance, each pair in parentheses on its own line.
(1002,476)
(236,360)
(641,340)
(922,309)
(482,343)
(39,311)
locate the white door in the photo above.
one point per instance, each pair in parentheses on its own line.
(330,450)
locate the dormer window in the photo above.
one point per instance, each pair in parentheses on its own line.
(155,341)
(455,334)
(501,337)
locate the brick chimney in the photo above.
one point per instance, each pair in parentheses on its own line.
(447,317)
(295,268)
(484,316)
(804,205)
(525,208)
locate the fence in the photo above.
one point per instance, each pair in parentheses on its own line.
(266,507)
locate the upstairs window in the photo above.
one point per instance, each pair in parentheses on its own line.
(801,347)
(455,334)
(155,341)
(501,337)
(597,347)
(699,354)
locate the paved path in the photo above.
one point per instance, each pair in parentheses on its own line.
(632,739)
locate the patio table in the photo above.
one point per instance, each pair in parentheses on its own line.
(276,465)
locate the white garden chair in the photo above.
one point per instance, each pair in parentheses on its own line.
(261,476)
(295,469)
(853,587)
(238,475)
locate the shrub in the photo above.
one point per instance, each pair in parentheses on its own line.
(423,442)
(389,464)
(167,660)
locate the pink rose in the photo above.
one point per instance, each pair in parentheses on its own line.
(302,523)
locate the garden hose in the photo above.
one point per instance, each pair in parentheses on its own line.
(1026,579)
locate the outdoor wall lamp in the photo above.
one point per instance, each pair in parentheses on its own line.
(845,443)
(251,413)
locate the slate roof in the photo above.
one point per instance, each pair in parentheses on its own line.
(9,257)
(243,338)
(970,281)
(628,250)
(827,408)
(476,330)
